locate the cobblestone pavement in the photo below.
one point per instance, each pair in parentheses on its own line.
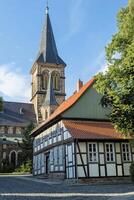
(23,188)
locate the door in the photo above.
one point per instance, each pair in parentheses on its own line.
(47,164)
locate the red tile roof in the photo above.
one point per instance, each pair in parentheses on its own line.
(66,104)
(92,130)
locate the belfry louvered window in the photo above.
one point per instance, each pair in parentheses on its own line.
(56,80)
(44,80)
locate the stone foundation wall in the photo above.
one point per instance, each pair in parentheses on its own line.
(57,175)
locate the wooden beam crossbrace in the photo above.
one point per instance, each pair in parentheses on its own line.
(82,160)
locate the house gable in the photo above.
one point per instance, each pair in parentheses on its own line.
(88,106)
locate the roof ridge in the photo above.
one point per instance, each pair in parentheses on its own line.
(67,103)
(17,102)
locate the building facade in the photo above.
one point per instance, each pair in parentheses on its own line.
(14,118)
(78,141)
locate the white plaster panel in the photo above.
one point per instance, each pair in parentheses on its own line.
(52,168)
(119,170)
(56,168)
(118,157)
(82,146)
(111,169)
(84,157)
(69,153)
(117,147)
(101,148)
(126,169)
(35,172)
(80,172)
(61,168)
(79,162)
(102,171)
(101,158)
(93,170)
(70,172)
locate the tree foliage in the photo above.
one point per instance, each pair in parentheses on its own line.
(117,83)
(27,144)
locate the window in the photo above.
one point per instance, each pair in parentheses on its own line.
(110,157)
(18,130)
(56,80)
(45,80)
(126,152)
(2,129)
(4,146)
(10,130)
(93,152)
(4,155)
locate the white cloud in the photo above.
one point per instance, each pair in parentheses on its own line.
(101,63)
(13,84)
(76,18)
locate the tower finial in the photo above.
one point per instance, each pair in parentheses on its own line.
(47,8)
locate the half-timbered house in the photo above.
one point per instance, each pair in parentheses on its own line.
(78,141)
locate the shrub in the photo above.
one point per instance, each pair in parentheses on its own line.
(25,168)
(132,171)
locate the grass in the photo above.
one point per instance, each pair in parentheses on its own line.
(16,173)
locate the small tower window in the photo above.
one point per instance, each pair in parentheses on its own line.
(46,114)
(45,81)
(56,80)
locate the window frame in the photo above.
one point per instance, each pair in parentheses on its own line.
(126,152)
(94,154)
(110,153)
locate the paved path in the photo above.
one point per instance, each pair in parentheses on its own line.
(23,188)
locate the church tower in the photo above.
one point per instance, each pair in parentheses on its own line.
(48,75)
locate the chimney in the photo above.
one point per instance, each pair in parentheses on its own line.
(79,85)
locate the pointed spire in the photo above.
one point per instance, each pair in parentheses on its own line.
(47,8)
(48,51)
(50,99)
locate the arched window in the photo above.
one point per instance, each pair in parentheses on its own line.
(45,78)
(56,80)
(13,158)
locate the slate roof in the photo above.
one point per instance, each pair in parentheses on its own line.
(10,140)
(92,130)
(11,114)
(48,51)
(65,105)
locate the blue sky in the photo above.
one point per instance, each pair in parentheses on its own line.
(82,29)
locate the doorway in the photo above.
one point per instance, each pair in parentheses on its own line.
(47,164)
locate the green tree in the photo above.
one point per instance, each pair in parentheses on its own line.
(1,103)
(117,83)
(27,144)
